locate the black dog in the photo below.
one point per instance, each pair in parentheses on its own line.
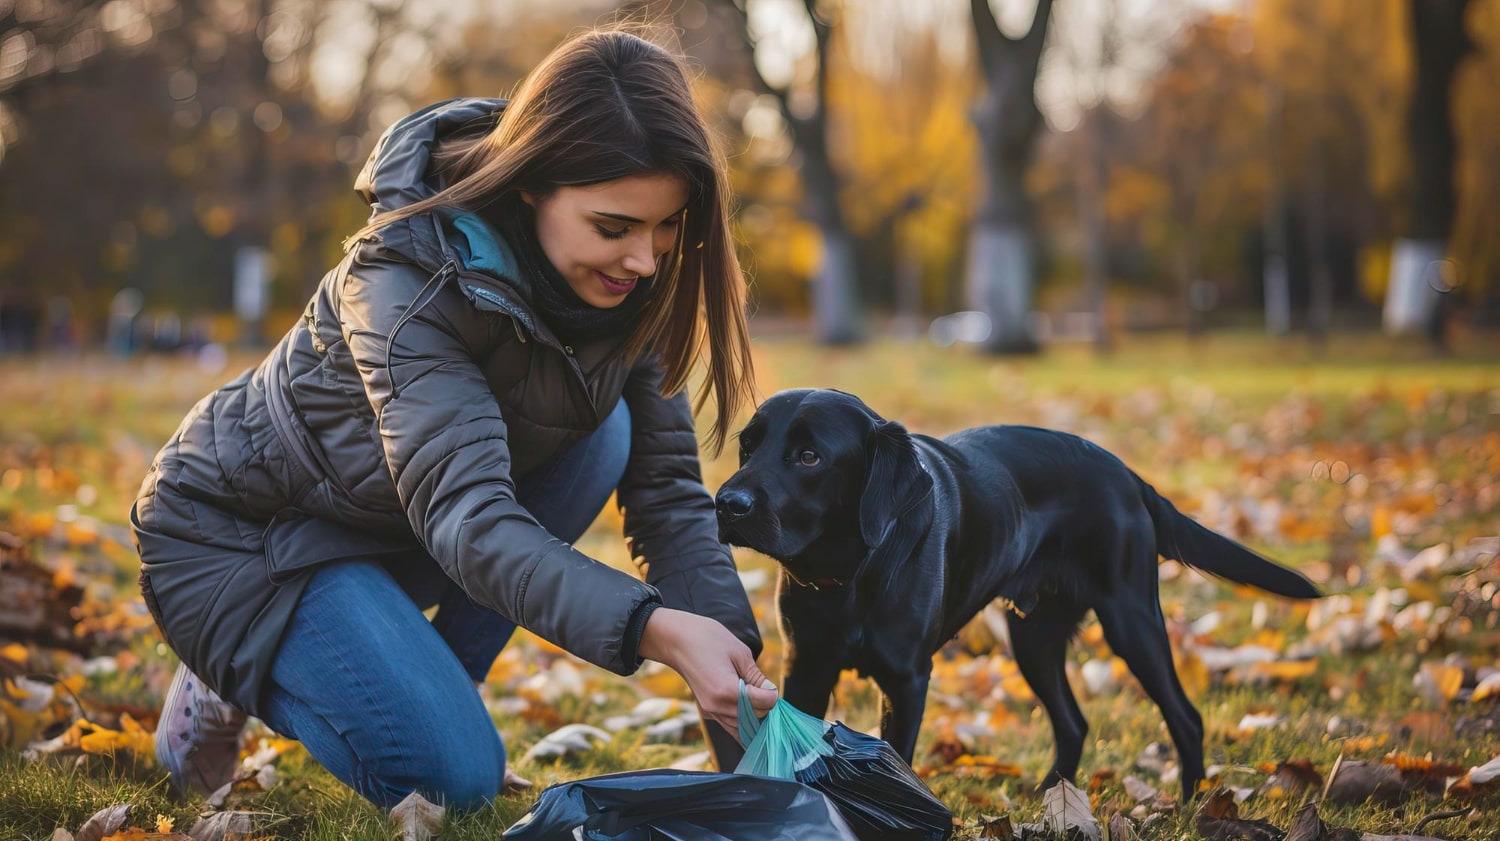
(890,542)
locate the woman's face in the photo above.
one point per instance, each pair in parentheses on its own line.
(604,237)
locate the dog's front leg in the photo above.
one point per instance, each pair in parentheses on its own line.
(902,700)
(809,680)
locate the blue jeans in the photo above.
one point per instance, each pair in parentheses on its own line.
(384,699)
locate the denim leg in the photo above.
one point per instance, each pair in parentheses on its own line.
(564,495)
(374,694)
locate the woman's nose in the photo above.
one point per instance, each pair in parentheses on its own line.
(641,259)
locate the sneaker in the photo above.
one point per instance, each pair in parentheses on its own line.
(198,737)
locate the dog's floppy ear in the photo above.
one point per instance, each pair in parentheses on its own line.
(895,483)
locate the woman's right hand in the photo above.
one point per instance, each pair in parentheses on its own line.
(712,661)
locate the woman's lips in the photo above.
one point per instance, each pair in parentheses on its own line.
(616,287)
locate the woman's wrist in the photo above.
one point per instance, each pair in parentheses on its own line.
(656,636)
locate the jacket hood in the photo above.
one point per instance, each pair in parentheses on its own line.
(398,174)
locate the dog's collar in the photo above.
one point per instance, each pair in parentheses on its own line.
(816,584)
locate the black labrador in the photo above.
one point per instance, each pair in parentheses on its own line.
(890,542)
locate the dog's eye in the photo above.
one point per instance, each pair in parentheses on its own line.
(808,458)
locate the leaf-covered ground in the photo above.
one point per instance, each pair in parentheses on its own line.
(1371,467)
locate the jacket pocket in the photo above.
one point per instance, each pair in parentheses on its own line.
(296,543)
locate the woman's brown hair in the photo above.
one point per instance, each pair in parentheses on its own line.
(609,104)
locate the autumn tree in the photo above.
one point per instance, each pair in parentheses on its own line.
(802,99)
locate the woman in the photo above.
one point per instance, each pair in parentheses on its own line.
(503,346)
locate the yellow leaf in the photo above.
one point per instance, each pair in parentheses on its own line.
(1287,670)
(1192,674)
(163,823)
(17,725)
(1449,679)
(1017,688)
(133,738)
(16,653)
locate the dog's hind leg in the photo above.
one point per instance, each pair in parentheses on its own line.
(1135,630)
(1039,642)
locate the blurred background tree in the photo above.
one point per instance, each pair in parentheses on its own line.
(1186,164)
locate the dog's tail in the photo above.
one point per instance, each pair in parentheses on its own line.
(1181,538)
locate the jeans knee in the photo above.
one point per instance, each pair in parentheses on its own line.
(461,776)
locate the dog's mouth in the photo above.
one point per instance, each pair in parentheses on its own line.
(761,534)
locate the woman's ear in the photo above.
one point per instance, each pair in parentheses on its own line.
(527,196)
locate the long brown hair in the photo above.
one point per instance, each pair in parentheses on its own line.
(608,104)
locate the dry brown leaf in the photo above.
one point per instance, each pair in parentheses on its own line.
(416,818)
(996,827)
(1355,781)
(1293,778)
(104,822)
(1066,813)
(226,826)
(1218,819)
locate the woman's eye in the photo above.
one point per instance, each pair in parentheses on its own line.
(808,458)
(610,233)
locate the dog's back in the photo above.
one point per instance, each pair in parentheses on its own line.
(1079,500)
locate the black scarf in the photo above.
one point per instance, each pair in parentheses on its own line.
(572,319)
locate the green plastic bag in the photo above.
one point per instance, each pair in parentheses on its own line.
(873,788)
(785,743)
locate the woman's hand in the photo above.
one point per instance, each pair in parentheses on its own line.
(711,660)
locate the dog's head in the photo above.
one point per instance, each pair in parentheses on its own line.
(822,481)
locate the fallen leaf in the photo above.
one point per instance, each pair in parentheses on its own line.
(1138,789)
(692,762)
(1066,813)
(1218,819)
(104,822)
(996,827)
(571,738)
(417,819)
(1355,781)
(1259,721)
(228,826)
(1291,779)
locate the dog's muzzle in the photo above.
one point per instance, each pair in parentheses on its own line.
(732,506)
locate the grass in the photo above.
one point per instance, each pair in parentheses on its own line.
(1225,425)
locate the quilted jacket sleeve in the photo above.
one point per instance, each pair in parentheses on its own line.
(414,340)
(669,514)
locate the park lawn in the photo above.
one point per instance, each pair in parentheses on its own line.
(1310,454)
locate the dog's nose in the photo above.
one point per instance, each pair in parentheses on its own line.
(734,505)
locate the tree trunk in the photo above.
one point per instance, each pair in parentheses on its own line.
(1001,272)
(1095,185)
(833,290)
(1278,294)
(1440,45)
(834,300)
(1001,283)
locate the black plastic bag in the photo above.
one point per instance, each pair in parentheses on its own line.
(875,790)
(665,805)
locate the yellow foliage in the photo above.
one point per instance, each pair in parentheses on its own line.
(1285,670)
(1192,673)
(131,737)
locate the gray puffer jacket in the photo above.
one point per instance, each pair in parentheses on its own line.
(391,423)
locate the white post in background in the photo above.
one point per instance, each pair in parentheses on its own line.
(252,291)
(1415,284)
